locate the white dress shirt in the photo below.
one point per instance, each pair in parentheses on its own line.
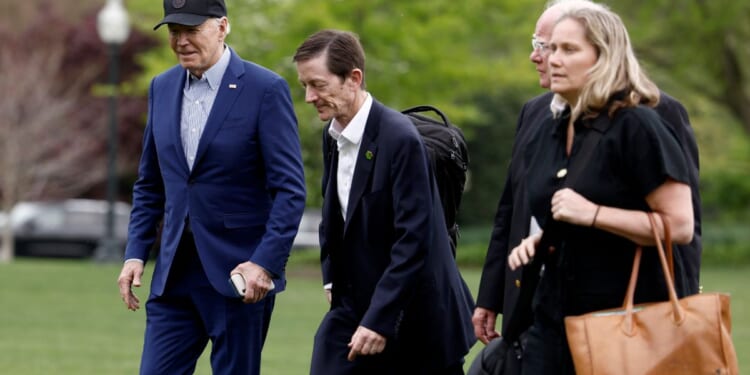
(348,140)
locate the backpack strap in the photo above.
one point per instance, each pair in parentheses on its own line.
(427,108)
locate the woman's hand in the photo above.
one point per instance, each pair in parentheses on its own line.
(571,207)
(523,254)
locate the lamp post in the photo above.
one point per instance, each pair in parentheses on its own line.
(113,26)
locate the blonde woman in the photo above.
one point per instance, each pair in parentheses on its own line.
(594,220)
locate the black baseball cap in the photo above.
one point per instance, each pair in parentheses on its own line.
(191,12)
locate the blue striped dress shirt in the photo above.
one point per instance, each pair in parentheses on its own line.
(197,100)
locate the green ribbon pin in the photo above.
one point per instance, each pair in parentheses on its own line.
(368,155)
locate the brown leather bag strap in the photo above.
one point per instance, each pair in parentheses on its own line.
(677,311)
(667,244)
(630,293)
(679,314)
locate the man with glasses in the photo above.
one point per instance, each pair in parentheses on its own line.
(500,287)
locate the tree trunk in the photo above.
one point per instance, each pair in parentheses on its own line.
(735,95)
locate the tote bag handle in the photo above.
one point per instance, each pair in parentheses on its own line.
(678,314)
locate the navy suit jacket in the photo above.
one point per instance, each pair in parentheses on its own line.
(246,192)
(499,287)
(392,257)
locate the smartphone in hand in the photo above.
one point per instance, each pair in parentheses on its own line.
(238,284)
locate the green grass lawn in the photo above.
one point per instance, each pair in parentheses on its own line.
(66,317)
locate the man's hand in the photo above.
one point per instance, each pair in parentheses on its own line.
(257,281)
(130,276)
(484,324)
(365,342)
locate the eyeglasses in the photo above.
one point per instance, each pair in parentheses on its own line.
(539,46)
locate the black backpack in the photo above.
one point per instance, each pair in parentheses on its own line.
(449,157)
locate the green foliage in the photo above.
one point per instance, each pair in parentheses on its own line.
(725,163)
(726,194)
(471,254)
(707,55)
(669,51)
(470,59)
(490,151)
(438,52)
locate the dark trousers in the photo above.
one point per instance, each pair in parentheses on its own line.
(547,350)
(190,312)
(330,351)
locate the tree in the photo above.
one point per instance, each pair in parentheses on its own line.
(697,49)
(439,52)
(701,44)
(470,58)
(52,137)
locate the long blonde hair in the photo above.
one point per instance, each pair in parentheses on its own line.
(616,69)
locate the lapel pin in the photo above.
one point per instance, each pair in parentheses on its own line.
(368,155)
(232,85)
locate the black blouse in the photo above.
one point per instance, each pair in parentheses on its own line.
(635,154)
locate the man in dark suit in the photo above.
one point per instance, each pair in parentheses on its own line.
(398,302)
(500,287)
(222,171)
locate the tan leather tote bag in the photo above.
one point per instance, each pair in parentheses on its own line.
(679,336)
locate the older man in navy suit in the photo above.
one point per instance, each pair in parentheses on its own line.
(398,302)
(221,169)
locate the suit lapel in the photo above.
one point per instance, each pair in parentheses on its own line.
(331,196)
(229,90)
(365,161)
(174,94)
